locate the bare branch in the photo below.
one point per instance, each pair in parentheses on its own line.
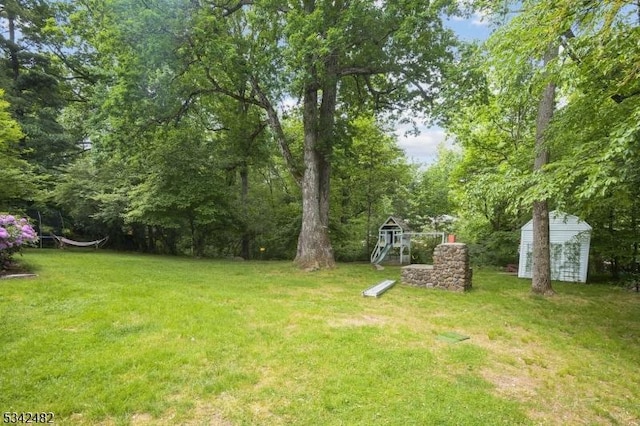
(230,10)
(567,35)
(428,98)
(359,71)
(258,130)
(276,127)
(619,98)
(238,97)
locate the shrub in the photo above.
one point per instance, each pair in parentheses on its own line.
(14,234)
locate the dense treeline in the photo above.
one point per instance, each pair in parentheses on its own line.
(265,129)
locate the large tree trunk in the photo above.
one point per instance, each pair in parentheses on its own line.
(13,47)
(314,246)
(245,250)
(326,126)
(541,272)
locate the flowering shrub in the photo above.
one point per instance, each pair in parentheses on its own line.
(14,233)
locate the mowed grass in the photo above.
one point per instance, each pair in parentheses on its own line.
(111,338)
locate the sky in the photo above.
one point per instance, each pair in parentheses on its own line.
(422,148)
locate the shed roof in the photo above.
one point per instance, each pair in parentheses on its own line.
(561,221)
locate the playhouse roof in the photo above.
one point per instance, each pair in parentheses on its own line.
(393,221)
(561,221)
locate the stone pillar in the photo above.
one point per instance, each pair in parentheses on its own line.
(451,267)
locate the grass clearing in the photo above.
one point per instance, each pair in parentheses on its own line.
(112,338)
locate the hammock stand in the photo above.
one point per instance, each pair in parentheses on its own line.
(62,242)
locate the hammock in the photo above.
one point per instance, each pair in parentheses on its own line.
(62,241)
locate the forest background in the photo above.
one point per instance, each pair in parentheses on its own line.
(267,129)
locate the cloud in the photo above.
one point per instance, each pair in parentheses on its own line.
(422,148)
(476,27)
(480,19)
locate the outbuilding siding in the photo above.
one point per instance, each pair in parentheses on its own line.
(570,240)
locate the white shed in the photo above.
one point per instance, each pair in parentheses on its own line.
(569,237)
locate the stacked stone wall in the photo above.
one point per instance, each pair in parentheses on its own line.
(450,269)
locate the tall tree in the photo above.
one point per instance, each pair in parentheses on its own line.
(495,126)
(319,54)
(244,136)
(595,37)
(139,52)
(431,195)
(370,176)
(594,131)
(541,271)
(35,81)
(322,53)
(16,175)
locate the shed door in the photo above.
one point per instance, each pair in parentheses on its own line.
(565,261)
(571,261)
(556,261)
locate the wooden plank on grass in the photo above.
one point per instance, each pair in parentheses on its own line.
(379,288)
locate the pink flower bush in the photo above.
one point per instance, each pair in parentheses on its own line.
(14,234)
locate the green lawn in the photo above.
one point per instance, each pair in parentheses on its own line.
(110,338)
